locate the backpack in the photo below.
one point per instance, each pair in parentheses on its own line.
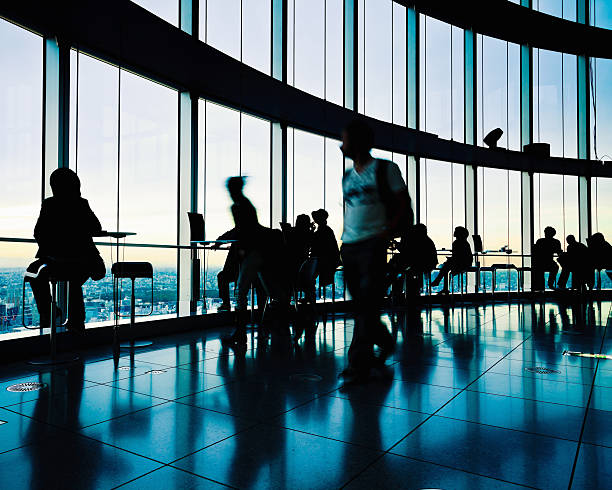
(390,201)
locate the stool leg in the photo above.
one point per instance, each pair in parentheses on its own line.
(53,315)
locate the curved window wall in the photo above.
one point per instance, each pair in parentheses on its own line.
(125,131)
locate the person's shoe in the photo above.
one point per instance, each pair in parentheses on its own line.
(444,292)
(224,307)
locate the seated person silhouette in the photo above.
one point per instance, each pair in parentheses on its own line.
(459,261)
(64,232)
(324,249)
(577,261)
(298,239)
(543,259)
(417,253)
(257,249)
(229,273)
(600,252)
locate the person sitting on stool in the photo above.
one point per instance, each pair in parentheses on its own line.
(577,261)
(64,232)
(600,252)
(543,259)
(459,261)
(324,248)
(417,252)
(229,273)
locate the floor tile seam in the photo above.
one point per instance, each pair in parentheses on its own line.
(551,380)
(530,399)
(269,424)
(216,411)
(245,429)
(430,384)
(513,429)
(76,432)
(412,458)
(586,412)
(360,402)
(95,385)
(164,398)
(445,404)
(177,469)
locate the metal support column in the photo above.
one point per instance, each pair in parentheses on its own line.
(278,129)
(584,116)
(412,102)
(189,277)
(470,104)
(527,237)
(350,31)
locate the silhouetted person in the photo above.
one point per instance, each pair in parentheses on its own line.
(324,248)
(543,259)
(257,247)
(64,232)
(577,261)
(600,252)
(460,259)
(368,225)
(417,253)
(230,270)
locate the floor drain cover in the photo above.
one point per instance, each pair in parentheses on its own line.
(306,377)
(124,368)
(542,370)
(22,387)
(156,371)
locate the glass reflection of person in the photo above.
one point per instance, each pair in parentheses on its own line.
(64,232)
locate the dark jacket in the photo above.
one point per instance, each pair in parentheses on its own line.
(65,228)
(325,248)
(248,229)
(462,255)
(544,250)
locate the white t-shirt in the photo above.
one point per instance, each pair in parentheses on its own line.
(365,215)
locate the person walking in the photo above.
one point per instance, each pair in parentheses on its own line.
(377,203)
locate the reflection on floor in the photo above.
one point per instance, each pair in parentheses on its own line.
(476,397)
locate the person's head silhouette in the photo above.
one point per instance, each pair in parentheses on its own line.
(571,239)
(420,229)
(320,216)
(461,233)
(65,183)
(549,232)
(357,140)
(235,186)
(302,222)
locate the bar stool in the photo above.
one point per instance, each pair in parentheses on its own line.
(507,267)
(57,271)
(132,271)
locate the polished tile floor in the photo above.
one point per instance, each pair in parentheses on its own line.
(465,403)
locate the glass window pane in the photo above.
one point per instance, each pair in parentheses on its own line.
(442,200)
(166,9)
(148,163)
(20,129)
(256,34)
(255,165)
(554,101)
(555,204)
(334,171)
(222,160)
(306,189)
(95,107)
(220,25)
(498,91)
